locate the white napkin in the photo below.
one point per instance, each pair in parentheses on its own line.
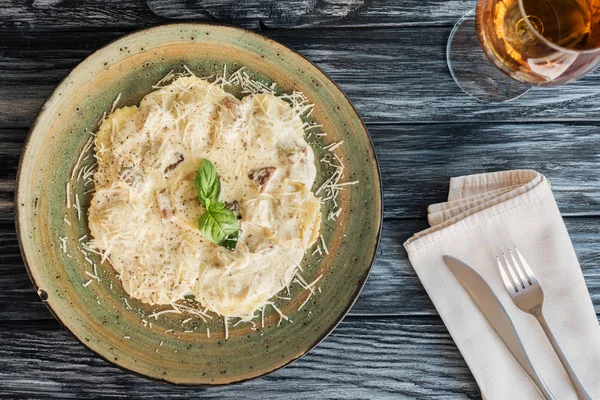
(486,215)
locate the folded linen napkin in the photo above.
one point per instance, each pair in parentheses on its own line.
(485,215)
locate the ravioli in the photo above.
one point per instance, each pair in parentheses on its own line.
(144,212)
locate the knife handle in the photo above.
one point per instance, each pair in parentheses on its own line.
(541,386)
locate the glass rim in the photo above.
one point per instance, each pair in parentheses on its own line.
(546,41)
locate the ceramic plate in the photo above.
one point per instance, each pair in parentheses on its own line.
(101,315)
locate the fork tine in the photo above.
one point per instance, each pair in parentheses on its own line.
(518,266)
(525,265)
(511,269)
(508,282)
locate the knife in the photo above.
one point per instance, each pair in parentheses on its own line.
(496,315)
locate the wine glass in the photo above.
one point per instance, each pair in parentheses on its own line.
(503,48)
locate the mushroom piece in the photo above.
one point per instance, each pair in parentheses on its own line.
(261,177)
(234,207)
(179,159)
(295,155)
(233,106)
(164,204)
(132,178)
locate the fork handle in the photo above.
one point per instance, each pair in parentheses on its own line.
(577,385)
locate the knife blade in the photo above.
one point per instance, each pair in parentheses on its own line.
(495,313)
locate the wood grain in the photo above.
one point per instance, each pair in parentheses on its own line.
(395,358)
(11,143)
(127,14)
(392,289)
(20,15)
(406,81)
(325,13)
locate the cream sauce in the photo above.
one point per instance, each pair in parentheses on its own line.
(145,210)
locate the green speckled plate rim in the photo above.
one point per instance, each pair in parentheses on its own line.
(378,194)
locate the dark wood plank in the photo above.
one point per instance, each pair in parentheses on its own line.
(20,105)
(11,142)
(20,15)
(406,81)
(392,289)
(325,13)
(134,14)
(390,358)
(417,161)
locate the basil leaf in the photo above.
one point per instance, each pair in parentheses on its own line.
(217,223)
(231,241)
(207,184)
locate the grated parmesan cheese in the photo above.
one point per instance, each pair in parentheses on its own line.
(92,275)
(323,243)
(68,194)
(330,189)
(63,244)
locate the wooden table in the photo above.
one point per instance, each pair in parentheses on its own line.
(389,57)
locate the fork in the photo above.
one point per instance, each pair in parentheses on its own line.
(527,294)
